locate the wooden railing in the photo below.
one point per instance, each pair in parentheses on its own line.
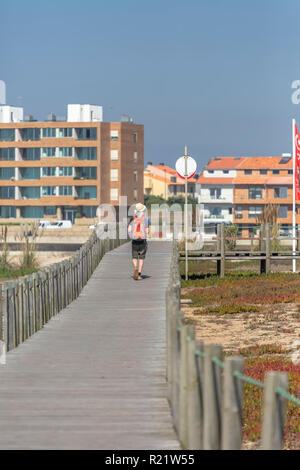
(205,392)
(28,303)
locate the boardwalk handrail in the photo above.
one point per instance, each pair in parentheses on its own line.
(206,393)
(28,303)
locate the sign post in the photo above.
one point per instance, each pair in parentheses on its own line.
(186,168)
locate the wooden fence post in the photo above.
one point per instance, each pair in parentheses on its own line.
(232,404)
(221,250)
(3,305)
(268,249)
(212,398)
(178,319)
(195,394)
(273,411)
(182,422)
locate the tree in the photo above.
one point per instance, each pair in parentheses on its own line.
(269,215)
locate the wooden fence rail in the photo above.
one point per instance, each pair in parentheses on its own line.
(29,302)
(205,392)
(265,255)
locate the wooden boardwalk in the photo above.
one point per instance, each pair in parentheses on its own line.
(94,376)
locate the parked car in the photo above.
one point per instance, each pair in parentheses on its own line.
(61,224)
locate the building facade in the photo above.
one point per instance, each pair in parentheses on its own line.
(161,180)
(62,168)
(236,189)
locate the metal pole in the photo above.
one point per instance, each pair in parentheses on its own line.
(186,212)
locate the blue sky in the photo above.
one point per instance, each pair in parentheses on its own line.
(213,74)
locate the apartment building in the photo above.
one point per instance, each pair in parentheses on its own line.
(235,189)
(60,168)
(161,180)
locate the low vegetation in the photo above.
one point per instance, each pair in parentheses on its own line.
(235,289)
(28,262)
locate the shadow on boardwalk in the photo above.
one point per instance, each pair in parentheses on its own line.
(94,376)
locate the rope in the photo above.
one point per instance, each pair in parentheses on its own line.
(281,391)
(251,381)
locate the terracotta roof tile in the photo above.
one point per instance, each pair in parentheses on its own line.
(265,163)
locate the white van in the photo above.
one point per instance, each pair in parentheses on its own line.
(44,224)
(61,224)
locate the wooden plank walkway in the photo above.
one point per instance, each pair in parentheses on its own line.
(94,376)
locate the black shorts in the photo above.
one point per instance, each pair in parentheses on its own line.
(139,249)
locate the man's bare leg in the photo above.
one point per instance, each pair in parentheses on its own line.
(141,262)
(135,263)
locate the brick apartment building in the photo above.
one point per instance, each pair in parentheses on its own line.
(64,167)
(161,180)
(235,189)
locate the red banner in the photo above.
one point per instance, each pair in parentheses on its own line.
(297,164)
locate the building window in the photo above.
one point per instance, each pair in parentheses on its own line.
(239,212)
(210,171)
(89,211)
(290,172)
(8,211)
(50,210)
(7,173)
(255,193)
(32,212)
(89,172)
(254,211)
(49,132)
(65,132)
(263,172)
(65,171)
(135,175)
(114,194)
(283,212)
(7,192)
(49,171)
(7,135)
(215,193)
(230,210)
(114,155)
(215,212)
(114,174)
(48,152)
(114,135)
(65,190)
(275,172)
(49,191)
(135,194)
(248,172)
(226,172)
(86,192)
(7,154)
(280,192)
(31,134)
(31,154)
(173,179)
(135,137)
(135,157)
(65,152)
(87,153)
(86,133)
(31,192)
(30,173)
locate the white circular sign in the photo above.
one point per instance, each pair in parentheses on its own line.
(191,167)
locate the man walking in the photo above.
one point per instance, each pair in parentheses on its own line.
(138,232)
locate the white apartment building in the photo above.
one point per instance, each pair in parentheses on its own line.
(214,190)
